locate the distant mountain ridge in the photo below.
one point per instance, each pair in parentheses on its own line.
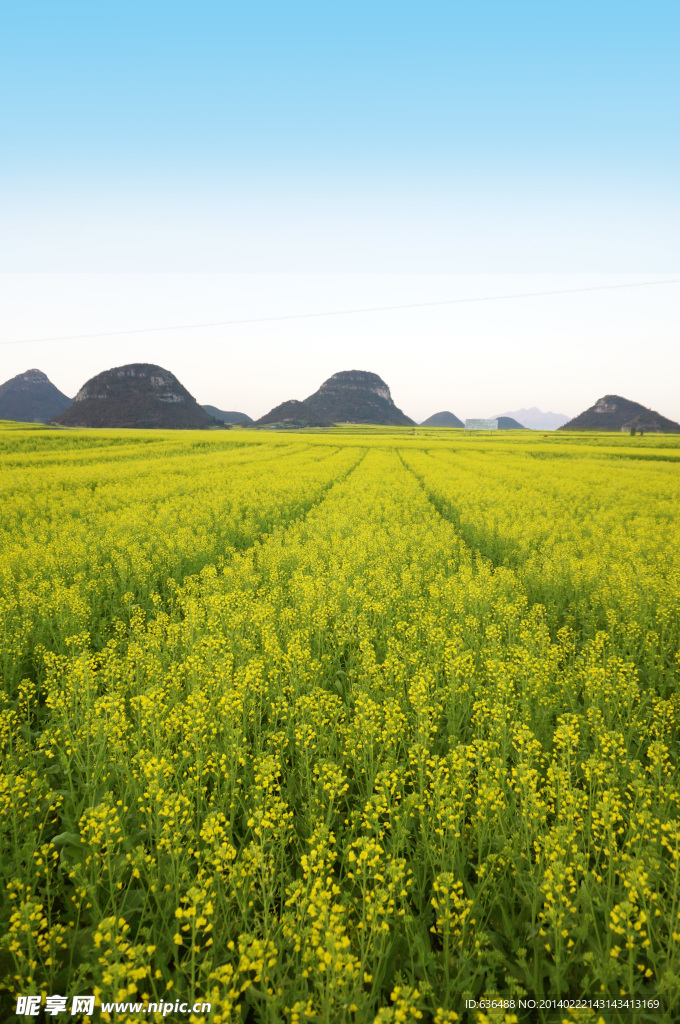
(350,396)
(31,397)
(226,417)
(442,419)
(534,419)
(140,395)
(144,395)
(615,413)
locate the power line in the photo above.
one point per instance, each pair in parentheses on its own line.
(339,312)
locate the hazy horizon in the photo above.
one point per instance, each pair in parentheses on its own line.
(559,352)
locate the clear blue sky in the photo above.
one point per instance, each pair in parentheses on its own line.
(201,136)
(166,163)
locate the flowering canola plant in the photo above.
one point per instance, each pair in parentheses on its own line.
(349,726)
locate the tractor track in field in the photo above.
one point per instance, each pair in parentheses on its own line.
(30,668)
(556,619)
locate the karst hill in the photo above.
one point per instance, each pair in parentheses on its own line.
(509,423)
(615,413)
(351,396)
(31,397)
(223,416)
(442,419)
(138,395)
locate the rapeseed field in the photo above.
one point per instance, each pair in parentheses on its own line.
(353,727)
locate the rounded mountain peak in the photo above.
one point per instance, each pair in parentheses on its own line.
(356,380)
(148,376)
(610,403)
(135,395)
(33,376)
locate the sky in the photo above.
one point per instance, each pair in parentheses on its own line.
(181,162)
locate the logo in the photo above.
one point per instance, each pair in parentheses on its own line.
(29,1006)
